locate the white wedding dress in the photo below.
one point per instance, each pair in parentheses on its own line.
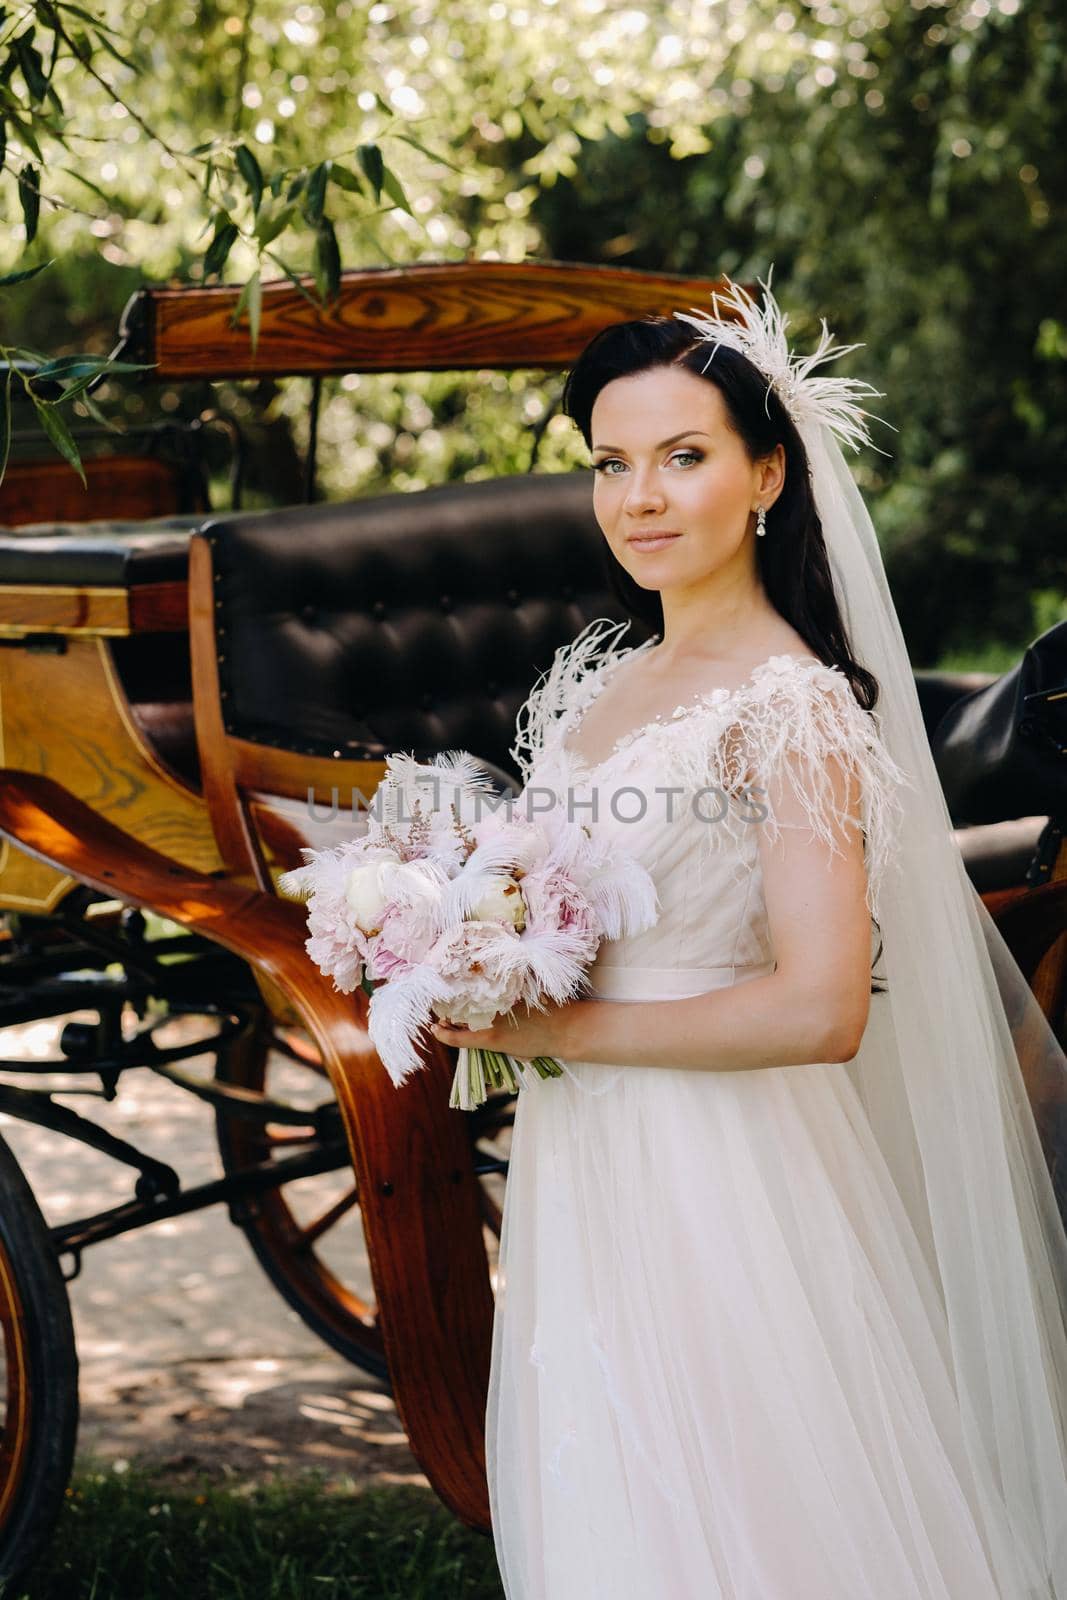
(720,1362)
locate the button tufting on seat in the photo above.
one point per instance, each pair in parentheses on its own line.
(308,613)
(379,608)
(446,602)
(513,597)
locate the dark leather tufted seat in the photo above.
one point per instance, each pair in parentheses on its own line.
(98,554)
(404,622)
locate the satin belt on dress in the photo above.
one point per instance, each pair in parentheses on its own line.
(668,983)
(648,983)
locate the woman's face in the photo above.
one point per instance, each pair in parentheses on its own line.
(675,492)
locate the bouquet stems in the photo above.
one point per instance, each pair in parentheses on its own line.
(478,1072)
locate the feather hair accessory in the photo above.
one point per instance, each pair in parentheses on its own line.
(759,333)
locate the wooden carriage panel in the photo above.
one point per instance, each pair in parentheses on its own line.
(429,317)
(117,486)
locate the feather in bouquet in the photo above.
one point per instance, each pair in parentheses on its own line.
(458,905)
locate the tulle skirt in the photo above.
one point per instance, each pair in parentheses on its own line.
(720,1365)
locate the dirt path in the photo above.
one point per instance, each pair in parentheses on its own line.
(190,1360)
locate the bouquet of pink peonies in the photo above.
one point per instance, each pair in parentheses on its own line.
(459,906)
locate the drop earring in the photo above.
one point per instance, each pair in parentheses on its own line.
(761,520)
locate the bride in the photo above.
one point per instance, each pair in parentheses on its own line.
(782,1296)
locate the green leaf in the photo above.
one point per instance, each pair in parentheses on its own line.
(25,133)
(81,46)
(315,196)
(125,61)
(220,246)
(370,159)
(30,199)
(21,277)
(296,185)
(86,366)
(3,140)
(97,415)
(423,150)
(255,307)
(250,299)
(346,179)
(293,278)
(250,170)
(60,434)
(327,262)
(392,186)
(32,66)
(86,16)
(273,219)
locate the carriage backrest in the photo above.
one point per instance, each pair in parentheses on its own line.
(325,638)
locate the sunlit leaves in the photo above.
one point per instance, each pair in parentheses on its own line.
(273,218)
(344,179)
(394,189)
(29,186)
(249,168)
(327,261)
(251,300)
(59,433)
(32,66)
(221,244)
(11,278)
(315,192)
(370,159)
(49,384)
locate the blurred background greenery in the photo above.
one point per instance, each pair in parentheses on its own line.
(900,162)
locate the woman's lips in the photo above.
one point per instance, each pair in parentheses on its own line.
(651,541)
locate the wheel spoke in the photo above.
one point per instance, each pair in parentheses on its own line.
(314,1230)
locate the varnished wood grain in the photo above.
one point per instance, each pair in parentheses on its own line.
(98,609)
(69,714)
(411,1155)
(427,317)
(49,491)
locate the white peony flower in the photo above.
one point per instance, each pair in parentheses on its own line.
(367,894)
(502,902)
(372,888)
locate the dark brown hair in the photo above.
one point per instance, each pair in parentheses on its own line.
(791,560)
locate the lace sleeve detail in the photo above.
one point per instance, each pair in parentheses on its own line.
(565,689)
(798,716)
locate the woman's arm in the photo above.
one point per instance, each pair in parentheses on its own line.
(813,1008)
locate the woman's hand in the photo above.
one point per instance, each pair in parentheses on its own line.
(522,1032)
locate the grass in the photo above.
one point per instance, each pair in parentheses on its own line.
(134,1536)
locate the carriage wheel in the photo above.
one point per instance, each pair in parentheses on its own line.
(307,1234)
(38,1376)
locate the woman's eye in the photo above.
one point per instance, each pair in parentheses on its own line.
(615,461)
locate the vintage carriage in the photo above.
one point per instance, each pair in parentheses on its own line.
(187,697)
